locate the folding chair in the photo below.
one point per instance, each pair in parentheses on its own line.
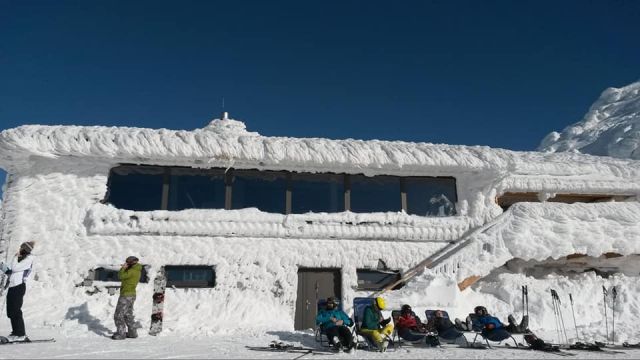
(320,331)
(496,336)
(359,304)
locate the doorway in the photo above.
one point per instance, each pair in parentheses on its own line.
(314,284)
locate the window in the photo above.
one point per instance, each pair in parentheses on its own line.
(317,193)
(265,190)
(375,280)
(148,188)
(375,194)
(196,189)
(431,196)
(136,188)
(190,276)
(111,274)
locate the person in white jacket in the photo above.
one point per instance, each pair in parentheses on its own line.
(18,271)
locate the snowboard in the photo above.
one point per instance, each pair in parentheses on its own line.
(157,307)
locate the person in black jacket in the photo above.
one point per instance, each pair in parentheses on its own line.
(446,329)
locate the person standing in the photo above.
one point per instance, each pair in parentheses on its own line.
(129,276)
(18,272)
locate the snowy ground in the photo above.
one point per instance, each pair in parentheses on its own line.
(168,347)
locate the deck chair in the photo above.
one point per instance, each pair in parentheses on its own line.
(453,334)
(359,304)
(397,339)
(320,331)
(497,336)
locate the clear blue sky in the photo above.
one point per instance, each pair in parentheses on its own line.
(497,73)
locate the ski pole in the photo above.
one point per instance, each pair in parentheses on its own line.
(606,322)
(526,296)
(613,315)
(522,300)
(574,316)
(564,328)
(555,315)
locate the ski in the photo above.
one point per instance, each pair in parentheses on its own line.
(6,341)
(592,347)
(282,347)
(555,351)
(157,307)
(629,345)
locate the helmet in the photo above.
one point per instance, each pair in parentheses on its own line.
(380,303)
(481,310)
(405,309)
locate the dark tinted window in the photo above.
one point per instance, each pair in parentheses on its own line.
(136,187)
(102,274)
(265,190)
(375,194)
(196,189)
(374,280)
(431,196)
(187,276)
(317,193)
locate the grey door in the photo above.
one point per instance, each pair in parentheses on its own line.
(314,284)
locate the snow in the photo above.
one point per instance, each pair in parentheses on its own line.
(610,128)
(233,347)
(58,177)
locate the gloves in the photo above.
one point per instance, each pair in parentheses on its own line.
(8,272)
(385,322)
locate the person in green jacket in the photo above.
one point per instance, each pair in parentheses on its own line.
(129,276)
(375,326)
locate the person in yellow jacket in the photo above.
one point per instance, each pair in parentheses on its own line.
(375,326)
(129,276)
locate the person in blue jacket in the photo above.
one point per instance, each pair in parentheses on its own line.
(490,326)
(335,324)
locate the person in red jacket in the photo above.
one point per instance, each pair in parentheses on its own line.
(409,326)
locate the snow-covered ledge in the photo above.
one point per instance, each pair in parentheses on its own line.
(104,219)
(538,231)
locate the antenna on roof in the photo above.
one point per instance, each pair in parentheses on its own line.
(225,115)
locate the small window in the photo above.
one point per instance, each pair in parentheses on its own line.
(111,274)
(137,188)
(375,280)
(317,193)
(196,189)
(265,190)
(375,194)
(190,276)
(431,196)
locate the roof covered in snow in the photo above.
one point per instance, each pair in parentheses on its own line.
(227,143)
(610,128)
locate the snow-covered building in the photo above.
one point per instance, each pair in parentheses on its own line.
(252,230)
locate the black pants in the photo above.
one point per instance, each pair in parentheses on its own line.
(15,295)
(342,332)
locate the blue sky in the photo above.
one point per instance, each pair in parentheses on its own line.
(497,73)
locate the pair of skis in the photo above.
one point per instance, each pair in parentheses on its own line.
(277,346)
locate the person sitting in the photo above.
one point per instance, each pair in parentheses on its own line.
(513,327)
(490,326)
(409,326)
(522,328)
(335,324)
(375,326)
(445,329)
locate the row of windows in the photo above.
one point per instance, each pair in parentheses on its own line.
(146,188)
(204,276)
